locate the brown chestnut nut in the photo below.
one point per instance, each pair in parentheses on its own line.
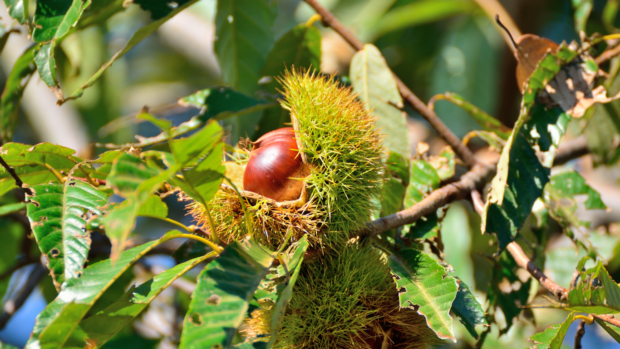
(273,163)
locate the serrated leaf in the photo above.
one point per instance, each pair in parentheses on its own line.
(222,295)
(595,292)
(135,39)
(52,22)
(559,197)
(553,336)
(14,88)
(423,180)
(486,121)
(103,325)
(424,287)
(372,79)
(127,173)
(18,9)
(613,331)
(57,216)
(59,321)
(37,164)
(299,48)
(521,176)
(244,38)
(468,309)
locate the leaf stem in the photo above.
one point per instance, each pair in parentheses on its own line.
(217,249)
(214,237)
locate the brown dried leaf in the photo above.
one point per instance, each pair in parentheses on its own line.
(530,50)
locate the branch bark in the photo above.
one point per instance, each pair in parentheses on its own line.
(18,181)
(329,20)
(581,330)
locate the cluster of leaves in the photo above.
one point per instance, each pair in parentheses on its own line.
(69,198)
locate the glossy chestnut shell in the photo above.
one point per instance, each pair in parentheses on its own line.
(273,163)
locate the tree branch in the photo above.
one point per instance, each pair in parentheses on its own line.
(607,55)
(18,181)
(329,20)
(581,330)
(13,304)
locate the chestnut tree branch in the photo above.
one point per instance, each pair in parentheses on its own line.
(18,181)
(607,55)
(329,20)
(581,330)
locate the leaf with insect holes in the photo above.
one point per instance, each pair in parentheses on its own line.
(58,214)
(424,287)
(14,88)
(553,336)
(59,323)
(372,79)
(222,295)
(594,291)
(521,176)
(559,197)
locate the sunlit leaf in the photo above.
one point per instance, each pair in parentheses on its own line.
(18,9)
(57,215)
(423,180)
(222,295)
(553,336)
(58,323)
(425,288)
(372,79)
(244,38)
(595,292)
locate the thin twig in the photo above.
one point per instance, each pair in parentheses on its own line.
(581,330)
(13,304)
(18,181)
(329,20)
(607,55)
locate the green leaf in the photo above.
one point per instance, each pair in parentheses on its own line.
(486,121)
(424,287)
(135,39)
(560,193)
(553,336)
(16,82)
(12,208)
(52,22)
(58,324)
(299,48)
(164,125)
(127,173)
(244,38)
(595,292)
(609,15)
(372,79)
(396,181)
(153,207)
(103,325)
(57,215)
(18,9)
(521,176)
(222,295)
(4,36)
(421,12)
(293,260)
(38,164)
(603,134)
(468,310)
(423,180)
(613,331)
(582,12)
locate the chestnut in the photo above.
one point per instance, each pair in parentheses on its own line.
(273,164)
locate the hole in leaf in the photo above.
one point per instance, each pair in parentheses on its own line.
(213,300)
(54,253)
(196,319)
